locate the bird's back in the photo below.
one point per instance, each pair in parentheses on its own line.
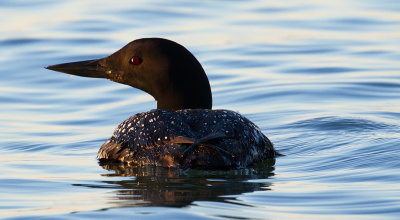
(189,138)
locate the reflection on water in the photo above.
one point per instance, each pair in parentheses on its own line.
(320,78)
(157,186)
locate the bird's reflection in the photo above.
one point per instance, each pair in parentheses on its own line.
(158,186)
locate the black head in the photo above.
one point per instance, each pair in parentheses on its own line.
(160,67)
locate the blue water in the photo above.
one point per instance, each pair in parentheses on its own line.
(320,78)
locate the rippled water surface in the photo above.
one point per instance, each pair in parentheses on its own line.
(320,78)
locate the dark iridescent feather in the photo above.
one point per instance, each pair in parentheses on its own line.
(197,138)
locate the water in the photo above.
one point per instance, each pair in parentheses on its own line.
(322,80)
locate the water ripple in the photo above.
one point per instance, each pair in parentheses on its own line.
(322,70)
(338,123)
(319,78)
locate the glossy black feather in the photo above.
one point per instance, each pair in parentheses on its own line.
(197,138)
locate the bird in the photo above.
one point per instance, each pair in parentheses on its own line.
(184,131)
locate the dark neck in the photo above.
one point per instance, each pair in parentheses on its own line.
(186,91)
(191,98)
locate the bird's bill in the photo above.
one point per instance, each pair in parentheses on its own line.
(87,68)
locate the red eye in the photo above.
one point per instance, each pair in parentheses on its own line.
(135,60)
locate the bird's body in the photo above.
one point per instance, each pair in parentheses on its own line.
(183,131)
(196,138)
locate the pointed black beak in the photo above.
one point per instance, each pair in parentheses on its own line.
(87,68)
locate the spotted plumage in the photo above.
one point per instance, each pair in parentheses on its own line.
(197,138)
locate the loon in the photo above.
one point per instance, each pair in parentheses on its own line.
(184,131)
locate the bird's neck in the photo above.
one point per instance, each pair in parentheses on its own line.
(187,94)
